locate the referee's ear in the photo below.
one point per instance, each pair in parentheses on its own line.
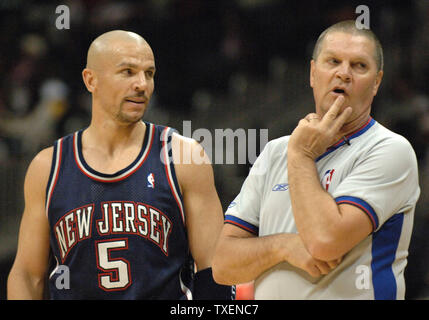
(312,62)
(377,82)
(90,79)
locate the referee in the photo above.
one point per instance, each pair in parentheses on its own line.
(327,212)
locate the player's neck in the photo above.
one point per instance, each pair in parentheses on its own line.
(111,136)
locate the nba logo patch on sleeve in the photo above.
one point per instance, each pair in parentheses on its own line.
(232,204)
(327,178)
(151,180)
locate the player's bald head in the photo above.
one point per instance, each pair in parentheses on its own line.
(110,41)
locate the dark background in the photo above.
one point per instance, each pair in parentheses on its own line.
(222,64)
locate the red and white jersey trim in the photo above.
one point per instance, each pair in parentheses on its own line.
(186,291)
(56,171)
(168,169)
(113,178)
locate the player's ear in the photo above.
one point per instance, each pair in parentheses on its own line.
(377,82)
(90,79)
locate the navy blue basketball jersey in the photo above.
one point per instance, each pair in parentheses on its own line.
(122,235)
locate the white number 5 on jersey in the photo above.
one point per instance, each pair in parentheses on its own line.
(115,271)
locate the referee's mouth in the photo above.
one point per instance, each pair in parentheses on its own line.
(339,91)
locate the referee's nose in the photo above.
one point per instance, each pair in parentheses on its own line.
(344,72)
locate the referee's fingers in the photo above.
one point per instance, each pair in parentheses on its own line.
(334,263)
(312,116)
(341,119)
(323,267)
(314,271)
(332,113)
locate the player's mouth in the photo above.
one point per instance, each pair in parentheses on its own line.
(136,101)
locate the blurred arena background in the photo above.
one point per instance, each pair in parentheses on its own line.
(221,64)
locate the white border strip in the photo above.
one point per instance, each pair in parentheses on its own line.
(169,172)
(52,183)
(55,269)
(185,289)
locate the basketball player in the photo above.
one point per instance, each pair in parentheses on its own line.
(107,203)
(327,212)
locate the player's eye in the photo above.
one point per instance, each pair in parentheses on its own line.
(127,71)
(150,74)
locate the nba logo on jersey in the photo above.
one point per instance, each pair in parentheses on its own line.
(327,178)
(151,180)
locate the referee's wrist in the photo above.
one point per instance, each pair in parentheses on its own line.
(285,248)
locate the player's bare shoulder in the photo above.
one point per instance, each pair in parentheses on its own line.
(38,172)
(42,161)
(187,151)
(191,162)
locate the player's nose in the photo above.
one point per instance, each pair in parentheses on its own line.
(140,83)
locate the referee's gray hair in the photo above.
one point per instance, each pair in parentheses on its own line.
(349,26)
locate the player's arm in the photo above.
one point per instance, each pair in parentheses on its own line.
(27,277)
(204,216)
(203,210)
(327,229)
